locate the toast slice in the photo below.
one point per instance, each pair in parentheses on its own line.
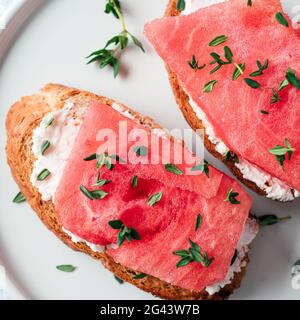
(182,100)
(23,117)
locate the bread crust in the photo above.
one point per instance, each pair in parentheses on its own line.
(23,117)
(182,100)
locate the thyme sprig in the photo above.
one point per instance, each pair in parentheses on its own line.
(193,254)
(125,233)
(280,152)
(109,55)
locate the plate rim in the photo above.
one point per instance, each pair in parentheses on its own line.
(16,15)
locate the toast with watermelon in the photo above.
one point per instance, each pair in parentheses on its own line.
(238,79)
(176,236)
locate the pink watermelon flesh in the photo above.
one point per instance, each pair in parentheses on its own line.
(166,226)
(233,108)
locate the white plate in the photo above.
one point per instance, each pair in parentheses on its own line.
(51,48)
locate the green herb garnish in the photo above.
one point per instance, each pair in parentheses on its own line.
(208,87)
(198,222)
(270,219)
(141,150)
(229,60)
(231,156)
(66,268)
(231,197)
(154,199)
(281,151)
(203,167)
(292,78)
(93,195)
(281,19)
(139,276)
(234,257)
(261,68)
(125,233)
(252,83)
(218,40)
(180,5)
(264,112)
(45,146)
(101,182)
(237,72)
(275,97)
(19,198)
(194,64)
(43,175)
(173,169)
(134,181)
(49,122)
(283,84)
(119,280)
(104,160)
(193,254)
(108,56)
(91,157)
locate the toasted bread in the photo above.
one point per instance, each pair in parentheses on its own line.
(23,117)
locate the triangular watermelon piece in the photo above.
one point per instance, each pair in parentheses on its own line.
(163,227)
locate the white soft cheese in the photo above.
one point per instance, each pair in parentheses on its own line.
(93,247)
(61,135)
(193,5)
(76,239)
(275,189)
(249,233)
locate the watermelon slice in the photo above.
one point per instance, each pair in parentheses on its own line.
(164,227)
(233,107)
